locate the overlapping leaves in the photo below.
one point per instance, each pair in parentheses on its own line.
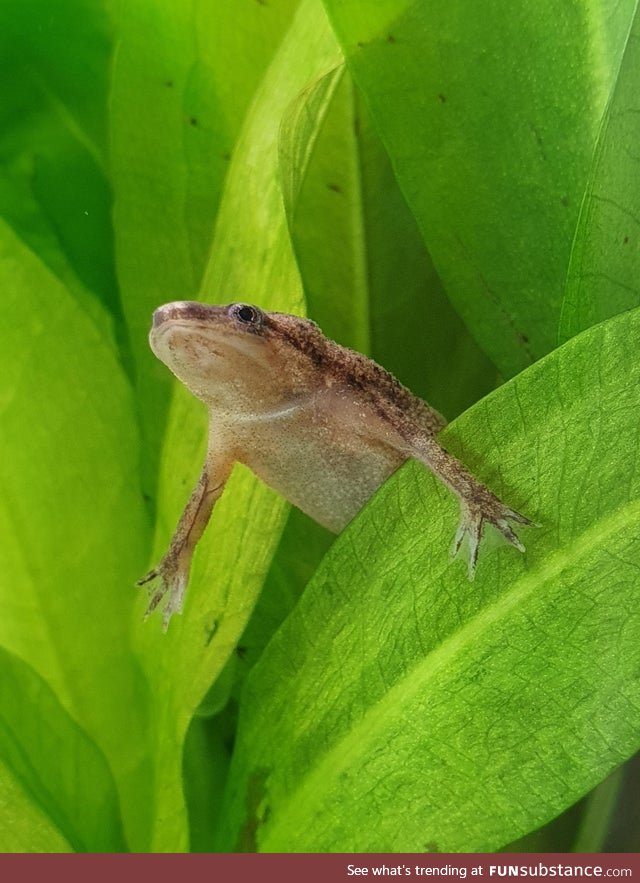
(231,156)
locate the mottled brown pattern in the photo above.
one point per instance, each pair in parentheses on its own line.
(301,334)
(392,401)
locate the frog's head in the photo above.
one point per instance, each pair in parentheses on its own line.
(235,355)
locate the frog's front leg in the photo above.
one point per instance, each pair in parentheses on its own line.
(478,505)
(173,570)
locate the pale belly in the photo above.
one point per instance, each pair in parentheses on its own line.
(326,472)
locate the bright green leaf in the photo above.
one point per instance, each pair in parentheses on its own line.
(605,261)
(401,707)
(73,531)
(489,115)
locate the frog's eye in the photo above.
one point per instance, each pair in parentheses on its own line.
(246,314)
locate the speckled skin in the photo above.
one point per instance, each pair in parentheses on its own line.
(321,424)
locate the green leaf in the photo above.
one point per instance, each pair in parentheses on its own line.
(206,763)
(179,97)
(401,708)
(252,259)
(490,116)
(53,186)
(54,761)
(69,54)
(24,827)
(73,530)
(264,267)
(605,262)
(302,545)
(378,293)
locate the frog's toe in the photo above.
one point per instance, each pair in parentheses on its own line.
(473,518)
(148,577)
(512,515)
(173,605)
(172,583)
(155,598)
(509,534)
(469,528)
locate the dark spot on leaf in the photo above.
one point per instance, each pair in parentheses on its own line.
(625,240)
(210,632)
(431,847)
(226,156)
(564,201)
(391,39)
(193,121)
(442,98)
(360,44)
(261,2)
(146,497)
(523,337)
(241,651)
(169,84)
(335,187)
(538,140)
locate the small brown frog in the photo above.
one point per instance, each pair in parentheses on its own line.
(319,423)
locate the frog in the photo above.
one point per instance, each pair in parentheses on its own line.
(322,424)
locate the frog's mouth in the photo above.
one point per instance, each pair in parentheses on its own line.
(201,337)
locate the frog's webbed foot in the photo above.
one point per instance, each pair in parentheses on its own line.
(172,576)
(485,508)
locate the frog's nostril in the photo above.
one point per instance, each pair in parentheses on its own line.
(185,310)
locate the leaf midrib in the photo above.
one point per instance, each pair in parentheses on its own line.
(340,756)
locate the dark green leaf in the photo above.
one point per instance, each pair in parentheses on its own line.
(57,765)
(53,186)
(490,117)
(369,281)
